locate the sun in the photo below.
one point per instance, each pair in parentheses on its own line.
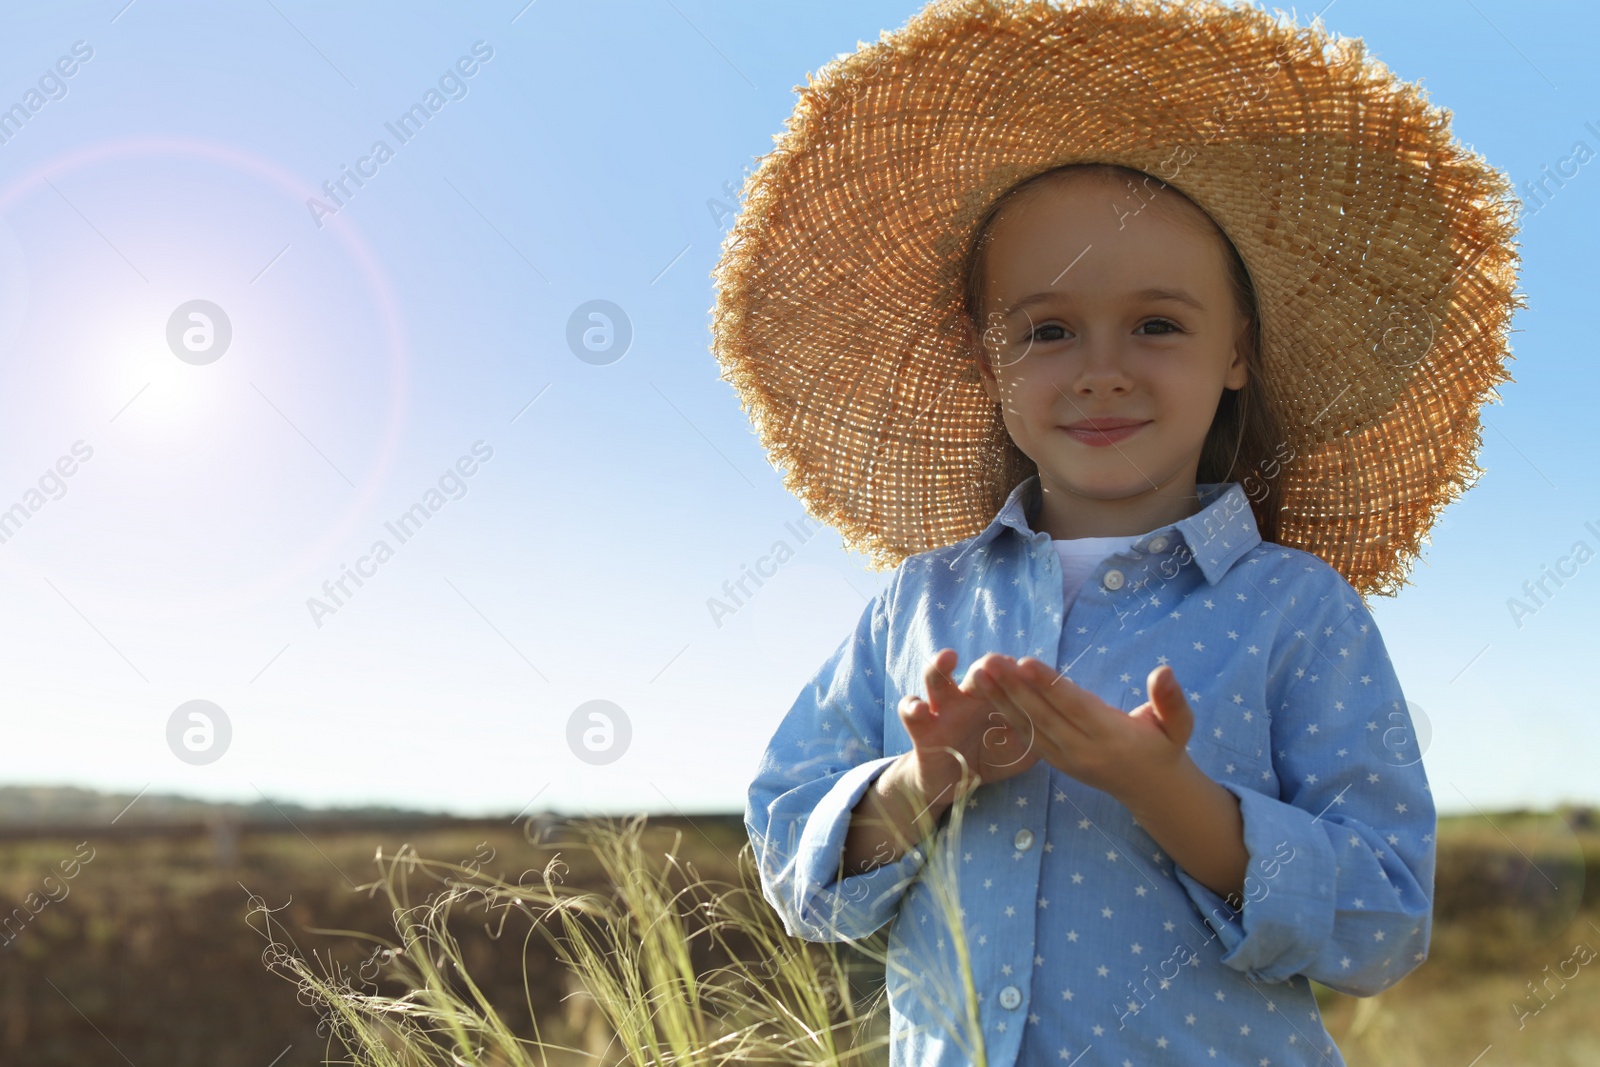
(155,388)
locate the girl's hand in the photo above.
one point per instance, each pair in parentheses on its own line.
(955,719)
(1133,756)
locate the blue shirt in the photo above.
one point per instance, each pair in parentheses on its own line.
(1086,943)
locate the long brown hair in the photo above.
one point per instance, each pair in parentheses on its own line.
(1246,433)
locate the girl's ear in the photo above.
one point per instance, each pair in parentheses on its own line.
(1239,369)
(974,343)
(986,376)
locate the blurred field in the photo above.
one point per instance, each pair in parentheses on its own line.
(146,956)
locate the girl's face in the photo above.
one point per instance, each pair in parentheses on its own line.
(1100,305)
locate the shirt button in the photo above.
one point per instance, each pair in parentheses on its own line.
(1023,840)
(1113,579)
(1010,997)
(1158,544)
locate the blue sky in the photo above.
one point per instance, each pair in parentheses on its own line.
(412,337)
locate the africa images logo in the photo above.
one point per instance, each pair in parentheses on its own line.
(451,485)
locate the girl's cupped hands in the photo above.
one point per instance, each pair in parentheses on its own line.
(958,733)
(1129,755)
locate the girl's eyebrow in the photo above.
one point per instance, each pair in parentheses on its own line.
(1180,296)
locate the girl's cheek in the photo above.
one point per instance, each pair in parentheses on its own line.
(1020,381)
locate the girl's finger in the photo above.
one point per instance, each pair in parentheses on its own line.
(990,666)
(1044,703)
(936,677)
(1021,723)
(972,684)
(1080,707)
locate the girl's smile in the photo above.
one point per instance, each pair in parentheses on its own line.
(1098,433)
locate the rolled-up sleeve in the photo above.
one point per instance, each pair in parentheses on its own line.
(825,754)
(1339,885)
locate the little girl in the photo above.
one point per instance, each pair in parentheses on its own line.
(1177,780)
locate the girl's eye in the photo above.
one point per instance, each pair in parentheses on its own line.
(1172,326)
(1035,334)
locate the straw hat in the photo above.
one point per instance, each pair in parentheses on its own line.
(1380,249)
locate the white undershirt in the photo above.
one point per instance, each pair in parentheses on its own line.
(1081,555)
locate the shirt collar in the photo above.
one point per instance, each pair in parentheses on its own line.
(1218,535)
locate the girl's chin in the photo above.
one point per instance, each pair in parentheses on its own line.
(1099,485)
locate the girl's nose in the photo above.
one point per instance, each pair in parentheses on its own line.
(1099,365)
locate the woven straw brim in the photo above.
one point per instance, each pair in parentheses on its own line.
(1380,249)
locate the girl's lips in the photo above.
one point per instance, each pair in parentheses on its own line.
(1101,438)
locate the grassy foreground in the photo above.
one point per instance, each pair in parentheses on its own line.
(157,956)
(669,968)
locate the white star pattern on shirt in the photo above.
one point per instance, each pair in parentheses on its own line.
(1312,736)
